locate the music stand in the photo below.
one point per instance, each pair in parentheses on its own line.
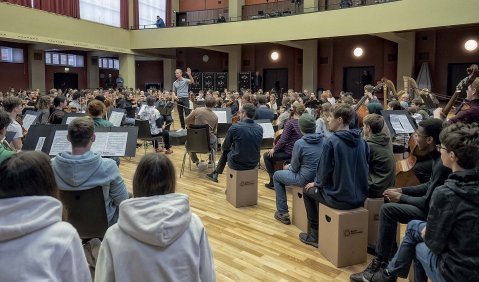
(30,118)
(268,133)
(9,136)
(224,121)
(116,116)
(399,121)
(69,117)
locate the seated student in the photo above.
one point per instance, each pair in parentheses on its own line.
(5,149)
(342,177)
(284,147)
(382,164)
(35,244)
(13,106)
(43,106)
(130,106)
(322,125)
(59,103)
(242,144)
(165,105)
(407,203)
(263,112)
(157,237)
(151,114)
(96,109)
(301,171)
(204,115)
(445,247)
(82,169)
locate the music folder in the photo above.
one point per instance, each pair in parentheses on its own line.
(109,141)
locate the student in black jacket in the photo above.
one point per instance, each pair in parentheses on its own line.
(446,247)
(408,203)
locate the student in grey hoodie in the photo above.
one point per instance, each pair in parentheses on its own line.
(35,245)
(302,169)
(157,237)
(82,169)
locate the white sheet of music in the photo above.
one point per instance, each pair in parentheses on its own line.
(268,130)
(116,118)
(40,143)
(116,144)
(70,119)
(221,116)
(401,124)
(101,142)
(142,109)
(60,143)
(28,120)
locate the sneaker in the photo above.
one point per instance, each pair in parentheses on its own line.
(383,276)
(374,266)
(212,176)
(309,238)
(283,218)
(269,185)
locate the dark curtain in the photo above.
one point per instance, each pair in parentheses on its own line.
(124,14)
(69,8)
(26,3)
(136,15)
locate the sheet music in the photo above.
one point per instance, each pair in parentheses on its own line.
(401,124)
(60,143)
(222,118)
(116,144)
(40,143)
(110,143)
(28,120)
(70,119)
(116,118)
(268,131)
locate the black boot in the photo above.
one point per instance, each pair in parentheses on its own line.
(310,238)
(213,176)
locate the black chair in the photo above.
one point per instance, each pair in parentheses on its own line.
(144,133)
(85,210)
(223,129)
(198,141)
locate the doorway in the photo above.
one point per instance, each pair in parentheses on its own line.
(353,80)
(275,79)
(65,81)
(181,19)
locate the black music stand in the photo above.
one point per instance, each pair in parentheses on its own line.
(68,117)
(394,126)
(267,126)
(31,117)
(114,116)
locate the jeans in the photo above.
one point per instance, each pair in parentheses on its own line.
(185,102)
(390,215)
(413,247)
(311,199)
(281,179)
(222,162)
(268,161)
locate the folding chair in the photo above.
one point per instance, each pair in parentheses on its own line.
(85,210)
(198,141)
(144,133)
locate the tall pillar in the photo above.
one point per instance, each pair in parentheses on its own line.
(310,64)
(406,52)
(93,75)
(310,6)
(234,66)
(175,7)
(131,14)
(235,10)
(127,70)
(36,69)
(169,67)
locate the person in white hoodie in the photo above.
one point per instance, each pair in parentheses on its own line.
(157,237)
(35,245)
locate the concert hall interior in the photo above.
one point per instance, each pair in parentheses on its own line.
(297,130)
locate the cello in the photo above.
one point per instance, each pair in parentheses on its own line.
(472,72)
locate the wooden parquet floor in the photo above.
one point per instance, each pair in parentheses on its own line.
(248,244)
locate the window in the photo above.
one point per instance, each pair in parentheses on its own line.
(67,60)
(11,55)
(148,10)
(101,11)
(109,63)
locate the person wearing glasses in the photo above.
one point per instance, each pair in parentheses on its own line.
(407,203)
(444,247)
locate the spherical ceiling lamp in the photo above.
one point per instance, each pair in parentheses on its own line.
(206,58)
(274,56)
(470,45)
(358,52)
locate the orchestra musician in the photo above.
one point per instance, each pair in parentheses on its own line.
(14,107)
(59,103)
(165,107)
(5,148)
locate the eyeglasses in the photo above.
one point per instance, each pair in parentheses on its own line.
(440,147)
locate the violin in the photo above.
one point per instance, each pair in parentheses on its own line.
(472,72)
